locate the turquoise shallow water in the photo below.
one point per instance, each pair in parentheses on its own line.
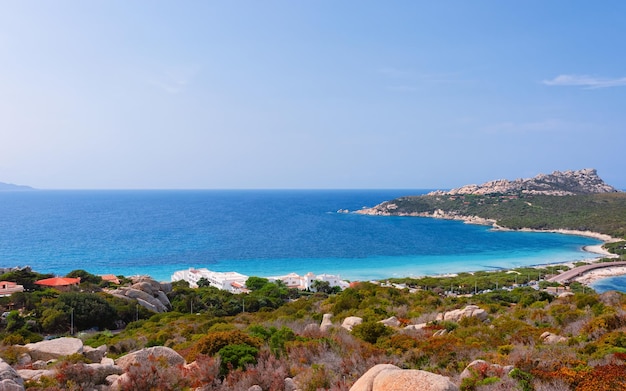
(255,232)
(610,284)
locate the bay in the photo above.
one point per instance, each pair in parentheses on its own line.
(617,283)
(254,232)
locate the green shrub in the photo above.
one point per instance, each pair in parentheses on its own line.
(237,357)
(371,331)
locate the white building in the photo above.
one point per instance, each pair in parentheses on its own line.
(228,281)
(305,282)
(236,282)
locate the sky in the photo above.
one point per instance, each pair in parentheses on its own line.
(296,94)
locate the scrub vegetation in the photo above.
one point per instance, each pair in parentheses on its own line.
(273,333)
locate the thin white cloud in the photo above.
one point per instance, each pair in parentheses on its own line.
(585,81)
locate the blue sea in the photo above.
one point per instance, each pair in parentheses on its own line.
(254,232)
(617,283)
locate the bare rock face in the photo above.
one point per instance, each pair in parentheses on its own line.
(54,348)
(550,338)
(10,380)
(95,354)
(10,385)
(350,322)
(365,382)
(326,324)
(387,377)
(468,311)
(391,322)
(35,374)
(483,369)
(140,356)
(290,385)
(149,293)
(415,327)
(584,181)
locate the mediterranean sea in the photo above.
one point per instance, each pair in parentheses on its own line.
(254,232)
(617,283)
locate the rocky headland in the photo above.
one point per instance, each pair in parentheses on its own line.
(484,204)
(559,183)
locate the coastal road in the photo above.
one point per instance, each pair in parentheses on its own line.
(580,270)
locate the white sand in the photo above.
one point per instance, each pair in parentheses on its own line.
(598,274)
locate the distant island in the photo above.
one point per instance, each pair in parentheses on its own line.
(12,187)
(571,200)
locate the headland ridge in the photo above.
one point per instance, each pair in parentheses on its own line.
(568,202)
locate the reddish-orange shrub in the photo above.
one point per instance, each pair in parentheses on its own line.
(604,378)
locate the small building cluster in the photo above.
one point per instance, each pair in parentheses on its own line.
(307,281)
(236,282)
(228,281)
(7,288)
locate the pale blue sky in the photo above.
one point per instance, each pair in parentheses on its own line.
(309,94)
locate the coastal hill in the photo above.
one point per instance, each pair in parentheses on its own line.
(558,183)
(12,187)
(570,200)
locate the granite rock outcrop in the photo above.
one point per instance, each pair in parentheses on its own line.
(388,377)
(149,293)
(54,348)
(469,311)
(559,183)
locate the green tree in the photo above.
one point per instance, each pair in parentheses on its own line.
(256,283)
(54,320)
(14,321)
(85,277)
(371,331)
(203,282)
(321,286)
(89,310)
(276,338)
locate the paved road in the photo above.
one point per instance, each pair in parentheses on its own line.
(580,270)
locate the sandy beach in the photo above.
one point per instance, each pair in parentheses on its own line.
(598,249)
(597,274)
(593,275)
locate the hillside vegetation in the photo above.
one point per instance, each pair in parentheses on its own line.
(267,343)
(602,213)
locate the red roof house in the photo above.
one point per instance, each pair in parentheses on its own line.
(60,283)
